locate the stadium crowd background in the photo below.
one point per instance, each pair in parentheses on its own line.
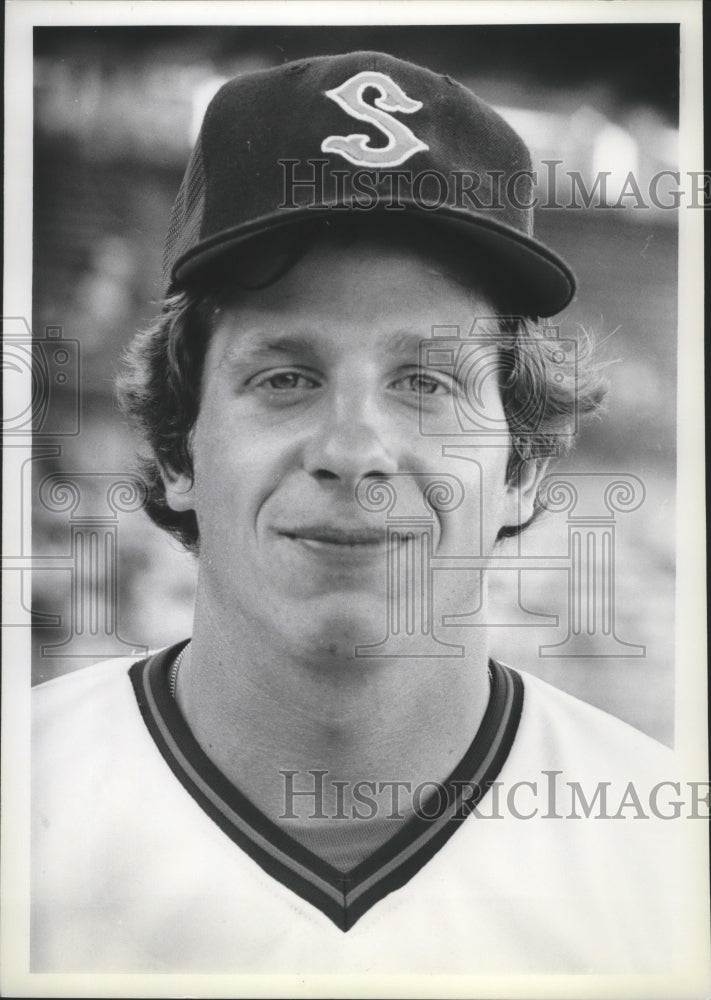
(116,111)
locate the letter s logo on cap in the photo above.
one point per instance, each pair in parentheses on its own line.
(401,144)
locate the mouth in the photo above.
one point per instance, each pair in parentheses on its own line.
(337,536)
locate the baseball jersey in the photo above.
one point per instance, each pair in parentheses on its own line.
(146,859)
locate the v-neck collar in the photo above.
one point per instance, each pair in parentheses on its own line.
(342,896)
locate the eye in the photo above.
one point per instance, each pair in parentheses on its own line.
(421,384)
(286,381)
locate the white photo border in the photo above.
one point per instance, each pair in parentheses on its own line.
(691,685)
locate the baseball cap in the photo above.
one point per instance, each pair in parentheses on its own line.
(357,132)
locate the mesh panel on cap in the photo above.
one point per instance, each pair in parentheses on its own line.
(186,218)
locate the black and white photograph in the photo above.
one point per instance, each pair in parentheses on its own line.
(353,528)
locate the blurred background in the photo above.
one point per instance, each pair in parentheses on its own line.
(116,112)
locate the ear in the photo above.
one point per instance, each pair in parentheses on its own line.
(521,494)
(179,490)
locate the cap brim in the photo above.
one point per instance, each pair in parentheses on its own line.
(541,283)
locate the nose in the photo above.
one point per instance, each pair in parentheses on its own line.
(351,444)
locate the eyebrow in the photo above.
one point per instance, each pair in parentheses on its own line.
(406,341)
(256,342)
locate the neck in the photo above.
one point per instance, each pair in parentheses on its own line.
(259,711)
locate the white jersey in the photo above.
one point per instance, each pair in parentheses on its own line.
(146,859)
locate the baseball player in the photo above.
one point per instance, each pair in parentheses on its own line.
(311,783)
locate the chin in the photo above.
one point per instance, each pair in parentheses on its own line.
(336,632)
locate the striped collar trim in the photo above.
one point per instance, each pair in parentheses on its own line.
(342,896)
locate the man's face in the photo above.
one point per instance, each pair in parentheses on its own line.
(313,386)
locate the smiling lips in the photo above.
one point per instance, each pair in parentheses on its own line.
(341,536)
